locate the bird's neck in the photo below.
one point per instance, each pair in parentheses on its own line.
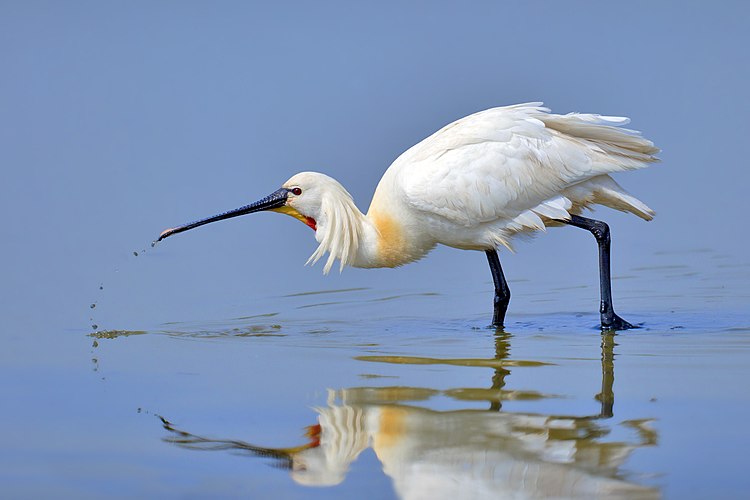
(392,235)
(378,239)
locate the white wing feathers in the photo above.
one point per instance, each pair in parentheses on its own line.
(524,165)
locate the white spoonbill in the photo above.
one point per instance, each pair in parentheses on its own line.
(474,184)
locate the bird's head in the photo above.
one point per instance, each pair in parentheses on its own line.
(318,201)
(307,195)
(303,197)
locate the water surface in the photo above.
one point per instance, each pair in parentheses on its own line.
(333,392)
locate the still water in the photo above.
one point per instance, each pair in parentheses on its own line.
(389,392)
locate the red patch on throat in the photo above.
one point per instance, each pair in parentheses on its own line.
(311,222)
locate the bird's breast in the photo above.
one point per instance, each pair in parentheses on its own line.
(391,243)
(396,243)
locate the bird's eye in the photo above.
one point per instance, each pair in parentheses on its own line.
(296,191)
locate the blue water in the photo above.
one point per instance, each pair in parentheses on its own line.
(396,392)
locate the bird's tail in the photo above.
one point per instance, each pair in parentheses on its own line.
(624,147)
(603,190)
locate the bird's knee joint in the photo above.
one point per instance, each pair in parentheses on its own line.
(600,230)
(502,296)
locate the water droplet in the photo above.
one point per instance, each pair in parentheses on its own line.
(93,305)
(135,253)
(96,344)
(95,327)
(153,244)
(101,287)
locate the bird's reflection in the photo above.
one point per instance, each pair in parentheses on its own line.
(502,351)
(469,453)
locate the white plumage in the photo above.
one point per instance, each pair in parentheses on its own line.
(489,175)
(473,185)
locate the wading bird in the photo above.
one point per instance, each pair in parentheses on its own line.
(473,185)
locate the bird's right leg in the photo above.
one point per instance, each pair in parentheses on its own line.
(600,230)
(502,292)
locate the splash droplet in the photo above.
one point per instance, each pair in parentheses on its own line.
(153,244)
(93,305)
(135,254)
(95,327)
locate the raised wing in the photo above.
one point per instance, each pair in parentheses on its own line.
(503,162)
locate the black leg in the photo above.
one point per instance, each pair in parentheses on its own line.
(502,292)
(600,230)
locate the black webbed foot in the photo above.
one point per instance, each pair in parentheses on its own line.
(616,323)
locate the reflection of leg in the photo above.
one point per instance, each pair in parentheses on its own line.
(607,396)
(600,230)
(502,292)
(502,350)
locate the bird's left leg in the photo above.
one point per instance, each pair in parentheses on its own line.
(600,230)
(502,292)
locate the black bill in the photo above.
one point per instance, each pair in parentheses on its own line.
(274,200)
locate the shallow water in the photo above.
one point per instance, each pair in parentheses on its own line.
(331,393)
